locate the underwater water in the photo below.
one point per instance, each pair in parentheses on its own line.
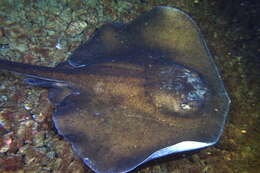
(46,32)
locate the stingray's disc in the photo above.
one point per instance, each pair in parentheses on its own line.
(159,93)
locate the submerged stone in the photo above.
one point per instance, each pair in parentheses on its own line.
(135,92)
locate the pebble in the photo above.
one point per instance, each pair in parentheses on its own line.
(76,27)
(4,46)
(12,164)
(5,144)
(1,32)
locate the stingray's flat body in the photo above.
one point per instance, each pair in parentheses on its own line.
(135,92)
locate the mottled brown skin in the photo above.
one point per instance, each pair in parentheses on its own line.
(134,89)
(116,112)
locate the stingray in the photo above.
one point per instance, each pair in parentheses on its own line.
(135,92)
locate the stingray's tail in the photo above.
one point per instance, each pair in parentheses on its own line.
(34,71)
